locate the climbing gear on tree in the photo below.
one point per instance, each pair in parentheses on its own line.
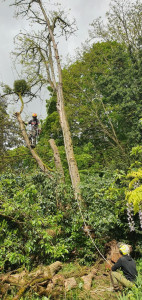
(88,232)
(33,136)
(35,129)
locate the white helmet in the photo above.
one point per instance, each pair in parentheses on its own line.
(124,249)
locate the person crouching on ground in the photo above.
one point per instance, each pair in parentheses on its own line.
(128,267)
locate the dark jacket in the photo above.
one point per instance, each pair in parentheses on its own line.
(34,122)
(128,266)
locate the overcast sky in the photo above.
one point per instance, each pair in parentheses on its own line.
(84,11)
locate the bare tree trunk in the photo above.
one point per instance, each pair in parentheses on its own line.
(57,160)
(73,169)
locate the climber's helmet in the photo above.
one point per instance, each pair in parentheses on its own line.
(124,249)
(34,115)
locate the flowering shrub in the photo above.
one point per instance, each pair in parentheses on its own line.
(134,197)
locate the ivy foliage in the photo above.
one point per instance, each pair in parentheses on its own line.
(21,87)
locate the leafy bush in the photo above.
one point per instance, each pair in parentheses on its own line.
(29,221)
(40,221)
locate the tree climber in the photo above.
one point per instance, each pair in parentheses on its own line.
(128,267)
(35,129)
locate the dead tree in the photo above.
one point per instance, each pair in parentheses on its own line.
(42,52)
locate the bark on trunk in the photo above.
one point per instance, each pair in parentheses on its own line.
(72,164)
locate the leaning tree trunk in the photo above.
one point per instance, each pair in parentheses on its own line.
(25,136)
(73,169)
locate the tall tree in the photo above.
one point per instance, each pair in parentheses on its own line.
(124,23)
(39,53)
(104,96)
(124,26)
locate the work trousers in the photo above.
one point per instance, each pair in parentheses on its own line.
(117,278)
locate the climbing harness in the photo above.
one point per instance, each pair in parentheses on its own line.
(33,136)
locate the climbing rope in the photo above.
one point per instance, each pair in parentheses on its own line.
(88,232)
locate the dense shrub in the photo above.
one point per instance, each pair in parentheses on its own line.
(40,221)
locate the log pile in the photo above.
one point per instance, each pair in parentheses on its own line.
(37,280)
(44,281)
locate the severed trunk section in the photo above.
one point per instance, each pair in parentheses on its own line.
(57,160)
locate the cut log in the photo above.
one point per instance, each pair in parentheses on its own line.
(42,275)
(55,267)
(70,283)
(88,279)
